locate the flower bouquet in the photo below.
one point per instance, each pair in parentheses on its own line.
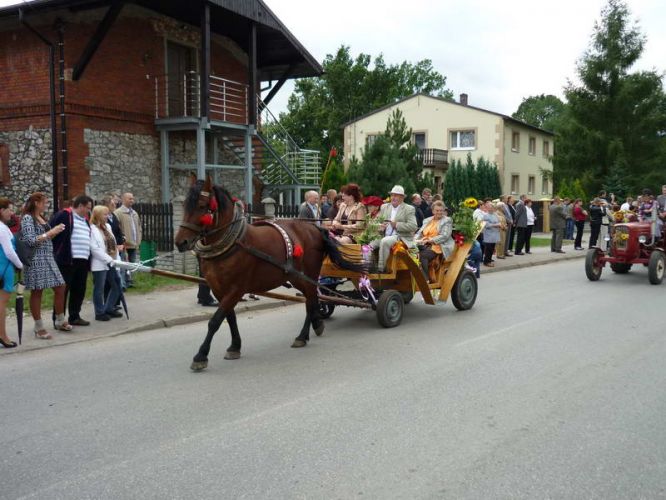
(465,228)
(372,230)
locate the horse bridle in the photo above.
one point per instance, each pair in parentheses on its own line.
(223,245)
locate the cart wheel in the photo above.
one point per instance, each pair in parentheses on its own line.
(326,309)
(592,265)
(407,296)
(464,291)
(620,268)
(656,267)
(390,307)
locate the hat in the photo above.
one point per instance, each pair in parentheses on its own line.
(374,201)
(397,189)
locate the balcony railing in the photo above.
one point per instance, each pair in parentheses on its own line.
(178,96)
(435,158)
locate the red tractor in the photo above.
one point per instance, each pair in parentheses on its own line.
(631,243)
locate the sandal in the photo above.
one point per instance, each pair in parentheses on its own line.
(64,327)
(42,334)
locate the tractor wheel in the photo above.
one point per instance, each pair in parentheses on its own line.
(656,267)
(620,268)
(464,291)
(593,267)
(390,307)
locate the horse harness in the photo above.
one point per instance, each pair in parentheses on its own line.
(234,231)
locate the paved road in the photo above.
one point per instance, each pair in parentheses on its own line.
(551,387)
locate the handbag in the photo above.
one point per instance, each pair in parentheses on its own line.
(24,251)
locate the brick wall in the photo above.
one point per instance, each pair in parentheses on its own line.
(117,90)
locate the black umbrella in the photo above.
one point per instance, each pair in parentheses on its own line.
(19,307)
(115,276)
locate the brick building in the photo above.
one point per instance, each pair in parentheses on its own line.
(101,96)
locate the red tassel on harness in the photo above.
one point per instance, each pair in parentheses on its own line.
(212,204)
(298,251)
(206,220)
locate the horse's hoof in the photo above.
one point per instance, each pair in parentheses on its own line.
(197,366)
(299,343)
(320,329)
(232,355)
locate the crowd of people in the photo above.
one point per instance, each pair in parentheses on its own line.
(81,238)
(59,252)
(508,222)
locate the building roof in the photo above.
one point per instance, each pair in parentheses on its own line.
(277,48)
(420,94)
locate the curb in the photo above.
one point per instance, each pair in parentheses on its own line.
(520,265)
(245,308)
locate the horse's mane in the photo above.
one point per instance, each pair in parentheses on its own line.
(222,196)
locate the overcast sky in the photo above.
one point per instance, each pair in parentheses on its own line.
(496,52)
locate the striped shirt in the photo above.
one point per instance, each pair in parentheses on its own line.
(80,238)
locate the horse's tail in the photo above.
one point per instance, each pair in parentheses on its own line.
(331,248)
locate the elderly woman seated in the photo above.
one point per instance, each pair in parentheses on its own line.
(434,236)
(372,205)
(349,221)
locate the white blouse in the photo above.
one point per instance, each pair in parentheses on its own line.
(6,242)
(530,216)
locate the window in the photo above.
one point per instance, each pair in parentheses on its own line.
(4,165)
(532,146)
(371,138)
(546,149)
(462,139)
(515,141)
(419,140)
(531,183)
(544,185)
(515,183)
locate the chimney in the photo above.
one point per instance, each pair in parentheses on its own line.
(463,99)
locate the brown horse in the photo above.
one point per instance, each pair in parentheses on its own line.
(238,258)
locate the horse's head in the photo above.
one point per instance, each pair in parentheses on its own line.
(205,208)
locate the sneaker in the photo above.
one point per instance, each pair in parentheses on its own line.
(102,317)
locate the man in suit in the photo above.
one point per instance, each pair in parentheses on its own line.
(520,221)
(309,208)
(399,224)
(558,223)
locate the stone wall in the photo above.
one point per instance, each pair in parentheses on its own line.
(121,162)
(183,151)
(30,164)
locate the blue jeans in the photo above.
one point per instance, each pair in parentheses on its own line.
(99,279)
(475,257)
(569,233)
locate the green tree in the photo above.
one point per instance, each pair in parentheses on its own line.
(543,111)
(381,168)
(334,176)
(349,88)
(391,159)
(613,113)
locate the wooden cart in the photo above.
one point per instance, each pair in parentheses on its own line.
(388,292)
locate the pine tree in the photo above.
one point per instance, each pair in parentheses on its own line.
(610,105)
(334,176)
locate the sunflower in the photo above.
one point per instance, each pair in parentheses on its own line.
(471,202)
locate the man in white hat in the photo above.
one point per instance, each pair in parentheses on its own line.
(399,224)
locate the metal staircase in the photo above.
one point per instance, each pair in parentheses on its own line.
(287,164)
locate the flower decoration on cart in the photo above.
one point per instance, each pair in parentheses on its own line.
(465,228)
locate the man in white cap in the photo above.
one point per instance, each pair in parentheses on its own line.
(399,224)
